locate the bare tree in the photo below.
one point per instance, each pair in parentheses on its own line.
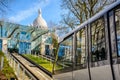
(79,11)
(5,8)
(3,5)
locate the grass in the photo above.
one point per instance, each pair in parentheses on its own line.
(7,70)
(48,65)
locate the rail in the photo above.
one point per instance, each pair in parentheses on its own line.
(27,70)
(38,66)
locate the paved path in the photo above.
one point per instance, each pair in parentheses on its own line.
(36,71)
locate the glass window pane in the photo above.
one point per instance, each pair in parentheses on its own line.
(81,50)
(117,22)
(98,40)
(65,56)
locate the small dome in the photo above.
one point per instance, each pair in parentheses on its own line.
(39,21)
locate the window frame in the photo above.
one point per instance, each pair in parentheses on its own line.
(70,68)
(84,65)
(106,53)
(115,28)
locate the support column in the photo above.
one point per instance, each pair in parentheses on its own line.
(18,69)
(23,76)
(14,64)
(30,52)
(35,54)
(11,61)
(9,58)
(2,63)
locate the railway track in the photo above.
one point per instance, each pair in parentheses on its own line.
(36,72)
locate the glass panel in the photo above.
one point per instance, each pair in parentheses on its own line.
(117,22)
(1,30)
(81,51)
(65,56)
(98,40)
(0,44)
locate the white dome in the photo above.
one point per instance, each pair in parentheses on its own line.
(39,21)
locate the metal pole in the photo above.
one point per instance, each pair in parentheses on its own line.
(18,70)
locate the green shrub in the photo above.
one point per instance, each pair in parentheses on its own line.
(48,65)
(7,70)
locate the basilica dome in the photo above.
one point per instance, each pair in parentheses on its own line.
(39,22)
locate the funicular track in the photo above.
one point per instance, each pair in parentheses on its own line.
(36,72)
(38,66)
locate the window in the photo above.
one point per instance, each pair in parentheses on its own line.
(65,56)
(81,49)
(117,22)
(0,30)
(98,41)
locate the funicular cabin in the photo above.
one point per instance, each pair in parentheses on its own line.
(94,48)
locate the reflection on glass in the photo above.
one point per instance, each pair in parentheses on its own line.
(65,56)
(117,22)
(80,51)
(0,30)
(98,40)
